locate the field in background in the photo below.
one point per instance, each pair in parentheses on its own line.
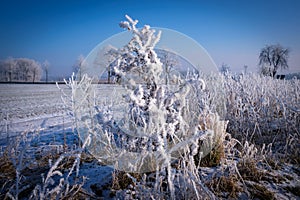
(37,107)
(31,107)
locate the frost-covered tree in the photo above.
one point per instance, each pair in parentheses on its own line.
(46,65)
(156,109)
(169,60)
(7,68)
(24,68)
(224,69)
(79,67)
(141,72)
(105,57)
(138,56)
(245,69)
(30,69)
(36,72)
(272,58)
(20,69)
(10,68)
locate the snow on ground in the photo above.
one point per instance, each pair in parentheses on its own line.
(31,107)
(38,107)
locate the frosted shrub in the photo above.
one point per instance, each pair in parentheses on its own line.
(17,152)
(81,101)
(264,110)
(55,185)
(163,122)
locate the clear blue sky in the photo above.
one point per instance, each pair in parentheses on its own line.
(233,32)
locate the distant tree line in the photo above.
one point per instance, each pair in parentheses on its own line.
(20,69)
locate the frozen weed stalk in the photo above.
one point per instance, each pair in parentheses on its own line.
(164,123)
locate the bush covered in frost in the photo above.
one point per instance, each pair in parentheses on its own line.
(164,123)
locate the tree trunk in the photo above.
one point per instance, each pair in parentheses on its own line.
(33,76)
(9,74)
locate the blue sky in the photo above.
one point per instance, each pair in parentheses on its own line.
(233,32)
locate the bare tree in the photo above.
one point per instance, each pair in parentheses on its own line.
(224,69)
(105,58)
(23,68)
(3,71)
(35,71)
(78,68)
(168,60)
(271,58)
(10,68)
(46,65)
(7,68)
(112,54)
(245,69)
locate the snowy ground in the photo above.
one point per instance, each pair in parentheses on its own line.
(34,107)
(26,107)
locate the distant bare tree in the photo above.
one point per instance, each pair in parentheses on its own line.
(23,66)
(7,69)
(271,58)
(3,71)
(36,72)
(169,61)
(111,55)
(78,68)
(224,69)
(245,69)
(46,65)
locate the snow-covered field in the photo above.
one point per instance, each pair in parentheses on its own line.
(28,107)
(38,107)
